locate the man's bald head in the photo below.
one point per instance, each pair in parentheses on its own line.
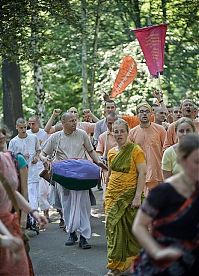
(66,116)
(185,101)
(160,115)
(69,122)
(187,107)
(159,109)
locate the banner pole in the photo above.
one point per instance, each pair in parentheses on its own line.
(159,81)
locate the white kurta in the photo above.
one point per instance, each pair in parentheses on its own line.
(28,146)
(44,187)
(76,205)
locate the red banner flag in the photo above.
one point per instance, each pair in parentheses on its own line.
(126,74)
(152,42)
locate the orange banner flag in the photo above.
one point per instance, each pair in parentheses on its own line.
(126,75)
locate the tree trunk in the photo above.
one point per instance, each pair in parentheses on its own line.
(167,61)
(39,91)
(84,56)
(12,98)
(136,13)
(37,69)
(94,57)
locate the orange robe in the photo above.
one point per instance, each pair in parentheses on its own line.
(151,140)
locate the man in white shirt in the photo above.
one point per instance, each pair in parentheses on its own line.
(28,145)
(44,187)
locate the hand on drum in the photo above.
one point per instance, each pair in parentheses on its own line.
(102,165)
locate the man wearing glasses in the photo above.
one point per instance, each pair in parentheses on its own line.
(150,136)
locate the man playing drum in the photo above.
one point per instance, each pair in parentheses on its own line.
(67,144)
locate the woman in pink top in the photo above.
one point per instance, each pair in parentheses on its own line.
(8,197)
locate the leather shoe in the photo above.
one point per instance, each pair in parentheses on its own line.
(83,243)
(71,239)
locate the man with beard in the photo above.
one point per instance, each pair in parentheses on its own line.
(150,136)
(187,108)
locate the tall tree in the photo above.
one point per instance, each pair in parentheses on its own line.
(37,68)
(84,54)
(11,36)
(94,54)
(12,99)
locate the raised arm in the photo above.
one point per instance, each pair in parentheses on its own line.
(49,128)
(159,96)
(92,116)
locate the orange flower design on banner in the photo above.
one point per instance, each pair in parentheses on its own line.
(126,75)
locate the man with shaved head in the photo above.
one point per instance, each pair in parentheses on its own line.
(71,143)
(28,145)
(44,188)
(187,108)
(160,116)
(150,136)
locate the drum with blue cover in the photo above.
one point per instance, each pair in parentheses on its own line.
(76,174)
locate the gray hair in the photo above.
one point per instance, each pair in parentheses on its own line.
(121,122)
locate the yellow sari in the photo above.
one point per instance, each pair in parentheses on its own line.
(122,245)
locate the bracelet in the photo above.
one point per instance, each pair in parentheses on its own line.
(161,101)
(32,211)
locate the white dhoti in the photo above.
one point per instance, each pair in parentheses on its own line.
(55,197)
(76,208)
(44,191)
(33,194)
(33,185)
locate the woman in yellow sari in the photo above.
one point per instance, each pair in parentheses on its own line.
(125,183)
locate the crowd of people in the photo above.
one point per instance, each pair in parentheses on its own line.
(149,176)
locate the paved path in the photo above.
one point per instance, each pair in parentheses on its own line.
(52,258)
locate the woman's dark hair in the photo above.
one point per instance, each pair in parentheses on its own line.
(187,145)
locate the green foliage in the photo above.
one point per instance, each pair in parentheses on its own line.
(58,29)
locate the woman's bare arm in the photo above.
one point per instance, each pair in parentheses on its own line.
(141,169)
